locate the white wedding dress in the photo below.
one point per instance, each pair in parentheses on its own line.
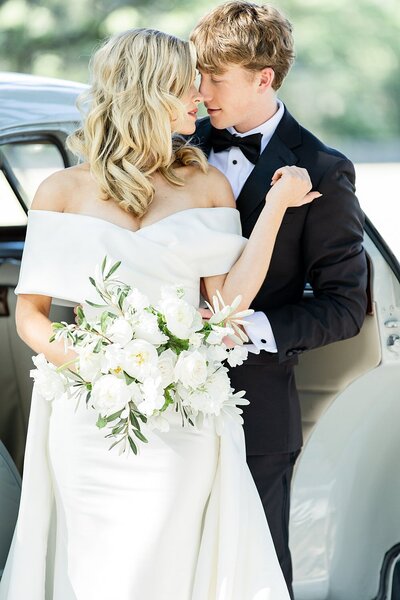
(180,521)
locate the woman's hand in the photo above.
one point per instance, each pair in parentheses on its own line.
(291,187)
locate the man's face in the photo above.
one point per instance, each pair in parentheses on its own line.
(232,98)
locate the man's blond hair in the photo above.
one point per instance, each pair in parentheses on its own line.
(245,34)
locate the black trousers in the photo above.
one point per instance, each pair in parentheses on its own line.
(272,474)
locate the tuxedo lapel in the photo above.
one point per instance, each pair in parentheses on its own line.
(277,154)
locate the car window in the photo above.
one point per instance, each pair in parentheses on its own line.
(377,191)
(31,162)
(11,212)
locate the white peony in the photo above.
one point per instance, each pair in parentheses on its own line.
(191,369)
(166,364)
(135,301)
(110,394)
(49,383)
(147,329)
(90,363)
(196,339)
(237,355)
(120,331)
(139,359)
(153,395)
(112,358)
(182,319)
(218,386)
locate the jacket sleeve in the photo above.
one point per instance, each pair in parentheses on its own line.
(335,266)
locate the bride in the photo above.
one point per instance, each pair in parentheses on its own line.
(182,520)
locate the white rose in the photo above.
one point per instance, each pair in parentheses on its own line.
(120,332)
(110,394)
(50,384)
(139,359)
(136,301)
(182,319)
(191,369)
(147,329)
(237,355)
(90,363)
(166,364)
(153,395)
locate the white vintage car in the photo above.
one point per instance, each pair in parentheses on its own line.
(345,517)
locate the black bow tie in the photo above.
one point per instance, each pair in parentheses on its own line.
(250,145)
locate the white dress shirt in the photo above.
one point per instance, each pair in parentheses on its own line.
(237,168)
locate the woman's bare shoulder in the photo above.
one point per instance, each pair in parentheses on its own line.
(214,188)
(55,192)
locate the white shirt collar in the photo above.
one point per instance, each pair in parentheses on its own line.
(267,129)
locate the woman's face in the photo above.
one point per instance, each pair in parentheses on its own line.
(191,99)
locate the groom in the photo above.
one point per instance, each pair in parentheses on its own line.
(244,53)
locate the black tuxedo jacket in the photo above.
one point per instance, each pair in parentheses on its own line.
(320,244)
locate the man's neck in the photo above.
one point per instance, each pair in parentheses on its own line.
(266,112)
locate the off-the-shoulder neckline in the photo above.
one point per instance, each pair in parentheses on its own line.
(171,215)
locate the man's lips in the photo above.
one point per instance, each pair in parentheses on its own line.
(212,110)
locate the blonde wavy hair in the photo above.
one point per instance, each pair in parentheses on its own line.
(138,79)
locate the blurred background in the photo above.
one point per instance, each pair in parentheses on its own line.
(345,85)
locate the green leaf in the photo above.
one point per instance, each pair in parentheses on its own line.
(113,269)
(80,314)
(95,305)
(140,436)
(52,338)
(133,419)
(101,422)
(115,443)
(114,416)
(103,264)
(57,326)
(116,430)
(92,281)
(132,445)
(103,321)
(128,378)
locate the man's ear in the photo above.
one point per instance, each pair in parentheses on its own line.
(266,77)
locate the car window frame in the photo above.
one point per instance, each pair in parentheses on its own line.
(12,237)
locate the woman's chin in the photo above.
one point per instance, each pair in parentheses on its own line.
(187,128)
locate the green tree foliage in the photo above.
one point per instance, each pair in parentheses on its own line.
(345,83)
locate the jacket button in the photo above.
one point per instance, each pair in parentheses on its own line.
(289,353)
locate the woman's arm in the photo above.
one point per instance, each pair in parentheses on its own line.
(32,311)
(290,187)
(34,328)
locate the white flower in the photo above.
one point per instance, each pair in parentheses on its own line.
(218,333)
(217,353)
(120,331)
(222,313)
(166,364)
(50,384)
(196,339)
(153,395)
(136,301)
(218,387)
(112,358)
(182,319)
(110,394)
(139,359)
(90,363)
(191,369)
(237,355)
(147,329)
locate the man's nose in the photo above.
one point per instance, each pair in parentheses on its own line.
(205,91)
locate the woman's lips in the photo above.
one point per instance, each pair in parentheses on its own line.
(193,112)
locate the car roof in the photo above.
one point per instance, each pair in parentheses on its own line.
(30,99)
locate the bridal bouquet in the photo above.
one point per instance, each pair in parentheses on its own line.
(135,360)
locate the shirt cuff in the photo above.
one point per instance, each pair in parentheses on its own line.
(259,330)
